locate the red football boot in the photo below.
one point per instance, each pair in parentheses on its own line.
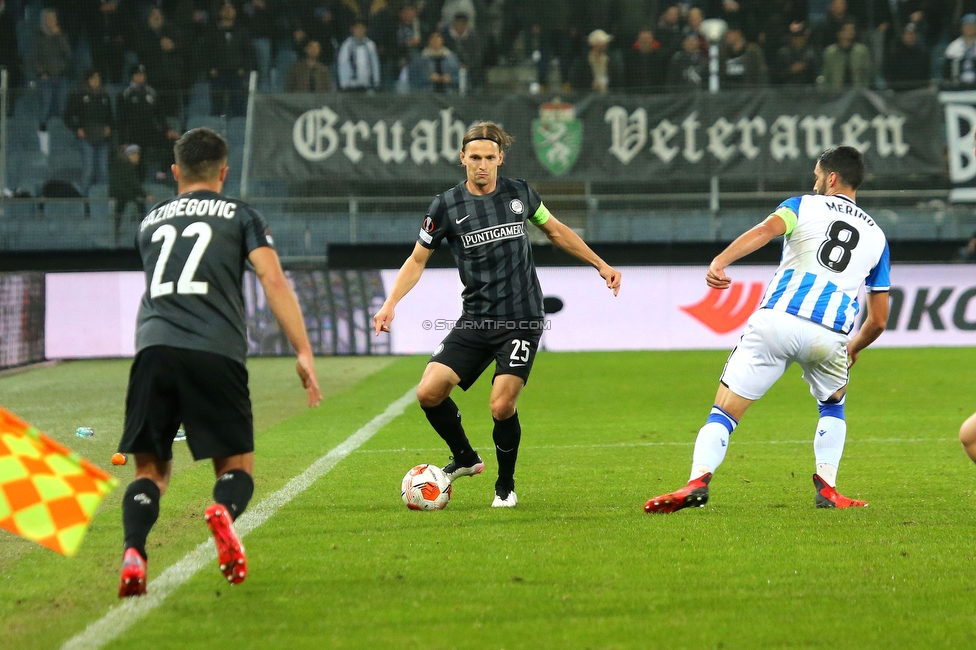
(133,578)
(230,551)
(694,494)
(828,497)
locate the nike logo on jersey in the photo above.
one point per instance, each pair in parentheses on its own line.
(462,219)
(516,365)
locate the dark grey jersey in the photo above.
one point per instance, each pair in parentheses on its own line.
(490,245)
(193,250)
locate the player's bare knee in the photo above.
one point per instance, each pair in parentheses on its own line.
(502,408)
(430,396)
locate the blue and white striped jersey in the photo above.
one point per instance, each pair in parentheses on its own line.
(833,247)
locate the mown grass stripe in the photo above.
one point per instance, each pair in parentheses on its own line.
(121,617)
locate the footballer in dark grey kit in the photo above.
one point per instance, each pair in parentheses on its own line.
(484,220)
(190,351)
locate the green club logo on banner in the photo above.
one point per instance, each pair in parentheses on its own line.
(557,137)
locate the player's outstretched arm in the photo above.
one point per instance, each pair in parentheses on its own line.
(874,324)
(563,238)
(748,242)
(406,279)
(284,305)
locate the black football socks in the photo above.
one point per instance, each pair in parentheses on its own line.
(446,420)
(507,435)
(140,509)
(233,490)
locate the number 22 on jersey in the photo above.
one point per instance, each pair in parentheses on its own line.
(185,284)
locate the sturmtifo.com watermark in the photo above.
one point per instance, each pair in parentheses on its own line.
(524,325)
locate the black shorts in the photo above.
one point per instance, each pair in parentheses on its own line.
(205,391)
(473,345)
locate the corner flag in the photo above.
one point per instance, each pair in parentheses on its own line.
(48,494)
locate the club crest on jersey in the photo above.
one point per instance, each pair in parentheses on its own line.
(493,234)
(517,206)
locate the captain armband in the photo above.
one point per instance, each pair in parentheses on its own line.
(541,215)
(787,216)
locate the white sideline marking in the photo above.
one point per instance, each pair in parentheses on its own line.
(121,617)
(687,443)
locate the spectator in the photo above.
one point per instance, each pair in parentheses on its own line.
(598,70)
(9,57)
(960,56)
(230,58)
(847,63)
(742,64)
(125,185)
(775,24)
(403,46)
(747,14)
(141,121)
(381,23)
(161,50)
(309,75)
(89,115)
(107,22)
(908,65)
(688,67)
(323,27)
(825,32)
(439,65)
(49,63)
(694,20)
(452,8)
(668,31)
(359,62)
(261,23)
(797,64)
(549,32)
(645,65)
(469,48)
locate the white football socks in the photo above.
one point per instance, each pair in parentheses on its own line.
(828,441)
(712,443)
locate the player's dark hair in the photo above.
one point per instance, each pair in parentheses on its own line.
(200,154)
(846,162)
(487,131)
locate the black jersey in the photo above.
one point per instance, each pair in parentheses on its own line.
(487,236)
(193,250)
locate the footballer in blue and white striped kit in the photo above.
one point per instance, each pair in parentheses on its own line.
(831,247)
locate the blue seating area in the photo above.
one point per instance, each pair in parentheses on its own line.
(28,168)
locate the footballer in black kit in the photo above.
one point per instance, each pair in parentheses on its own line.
(191,347)
(484,222)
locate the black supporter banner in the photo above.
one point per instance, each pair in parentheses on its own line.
(769,134)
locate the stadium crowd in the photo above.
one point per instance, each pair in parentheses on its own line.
(121,71)
(446,45)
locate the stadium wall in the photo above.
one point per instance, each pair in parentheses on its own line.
(659,308)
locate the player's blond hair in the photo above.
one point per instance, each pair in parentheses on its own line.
(487,131)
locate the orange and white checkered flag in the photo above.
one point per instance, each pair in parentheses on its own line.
(48,494)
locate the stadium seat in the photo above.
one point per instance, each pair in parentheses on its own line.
(691,225)
(199,104)
(214,122)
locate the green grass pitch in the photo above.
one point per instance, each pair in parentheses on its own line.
(577,564)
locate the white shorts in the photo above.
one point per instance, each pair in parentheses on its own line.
(772,341)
